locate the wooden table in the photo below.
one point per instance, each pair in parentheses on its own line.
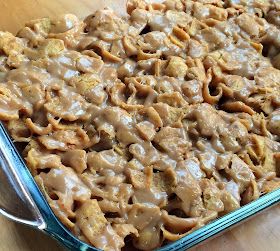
(258,234)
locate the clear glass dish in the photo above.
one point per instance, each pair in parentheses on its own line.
(22,201)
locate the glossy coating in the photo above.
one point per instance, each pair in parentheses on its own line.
(24,186)
(21,199)
(276,194)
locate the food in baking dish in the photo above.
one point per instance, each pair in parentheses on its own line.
(141,129)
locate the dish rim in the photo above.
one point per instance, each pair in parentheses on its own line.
(49,223)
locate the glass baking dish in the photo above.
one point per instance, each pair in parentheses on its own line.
(22,201)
